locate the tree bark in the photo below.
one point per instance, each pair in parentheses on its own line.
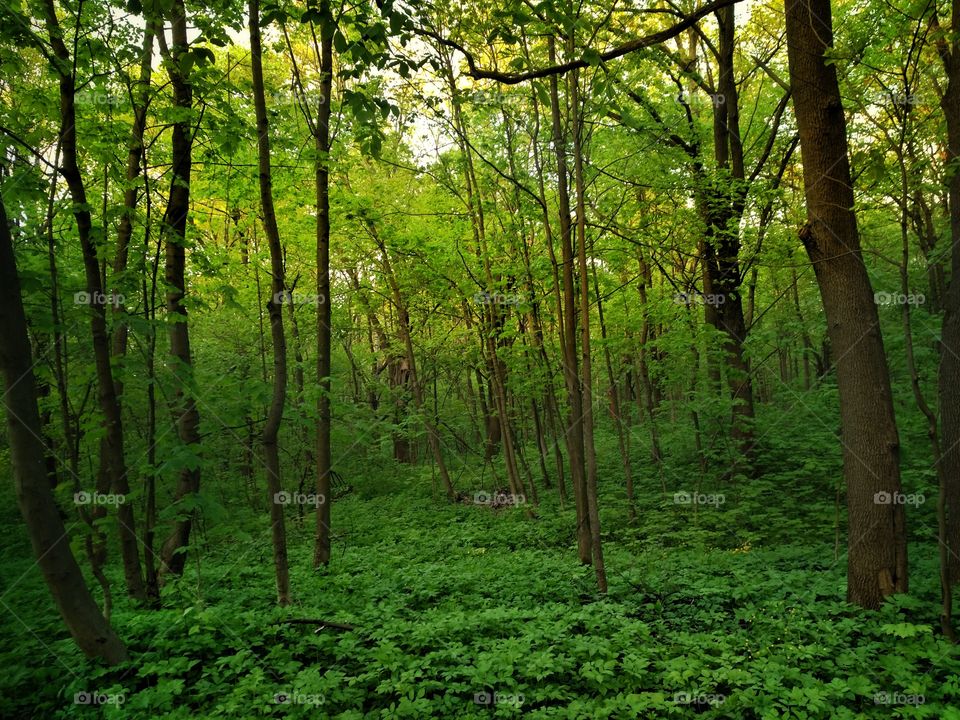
(173,553)
(48,536)
(949,372)
(877,548)
(590,455)
(271,428)
(571,364)
(321,550)
(115,465)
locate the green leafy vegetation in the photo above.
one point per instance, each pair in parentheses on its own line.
(449,602)
(462,360)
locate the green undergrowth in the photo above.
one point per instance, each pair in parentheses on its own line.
(459,611)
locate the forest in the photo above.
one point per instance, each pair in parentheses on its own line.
(542,359)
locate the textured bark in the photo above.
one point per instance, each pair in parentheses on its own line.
(877,549)
(949,375)
(48,536)
(724,209)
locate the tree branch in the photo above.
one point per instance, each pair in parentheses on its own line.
(646,41)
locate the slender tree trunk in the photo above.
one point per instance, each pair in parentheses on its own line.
(115,466)
(590,456)
(946,608)
(150,313)
(552,406)
(571,364)
(173,553)
(403,326)
(271,428)
(131,192)
(877,547)
(321,551)
(622,440)
(647,396)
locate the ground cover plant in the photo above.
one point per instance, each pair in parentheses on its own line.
(465,360)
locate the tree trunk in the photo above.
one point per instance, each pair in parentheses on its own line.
(590,455)
(877,548)
(724,210)
(949,374)
(571,364)
(403,325)
(48,536)
(173,553)
(622,433)
(271,428)
(109,404)
(321,550)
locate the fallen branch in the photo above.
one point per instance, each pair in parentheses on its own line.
(321,624)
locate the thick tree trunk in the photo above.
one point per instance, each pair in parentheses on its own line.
(877,548)
(48,537)
(271,428)
(949,375)
(724,209)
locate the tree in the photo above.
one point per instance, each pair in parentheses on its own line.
(278,292)
(48,536)
(173,553)
(115,469)
(877,543)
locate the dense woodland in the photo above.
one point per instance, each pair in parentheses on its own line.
(540,359)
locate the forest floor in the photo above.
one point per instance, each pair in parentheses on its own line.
(462,611)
